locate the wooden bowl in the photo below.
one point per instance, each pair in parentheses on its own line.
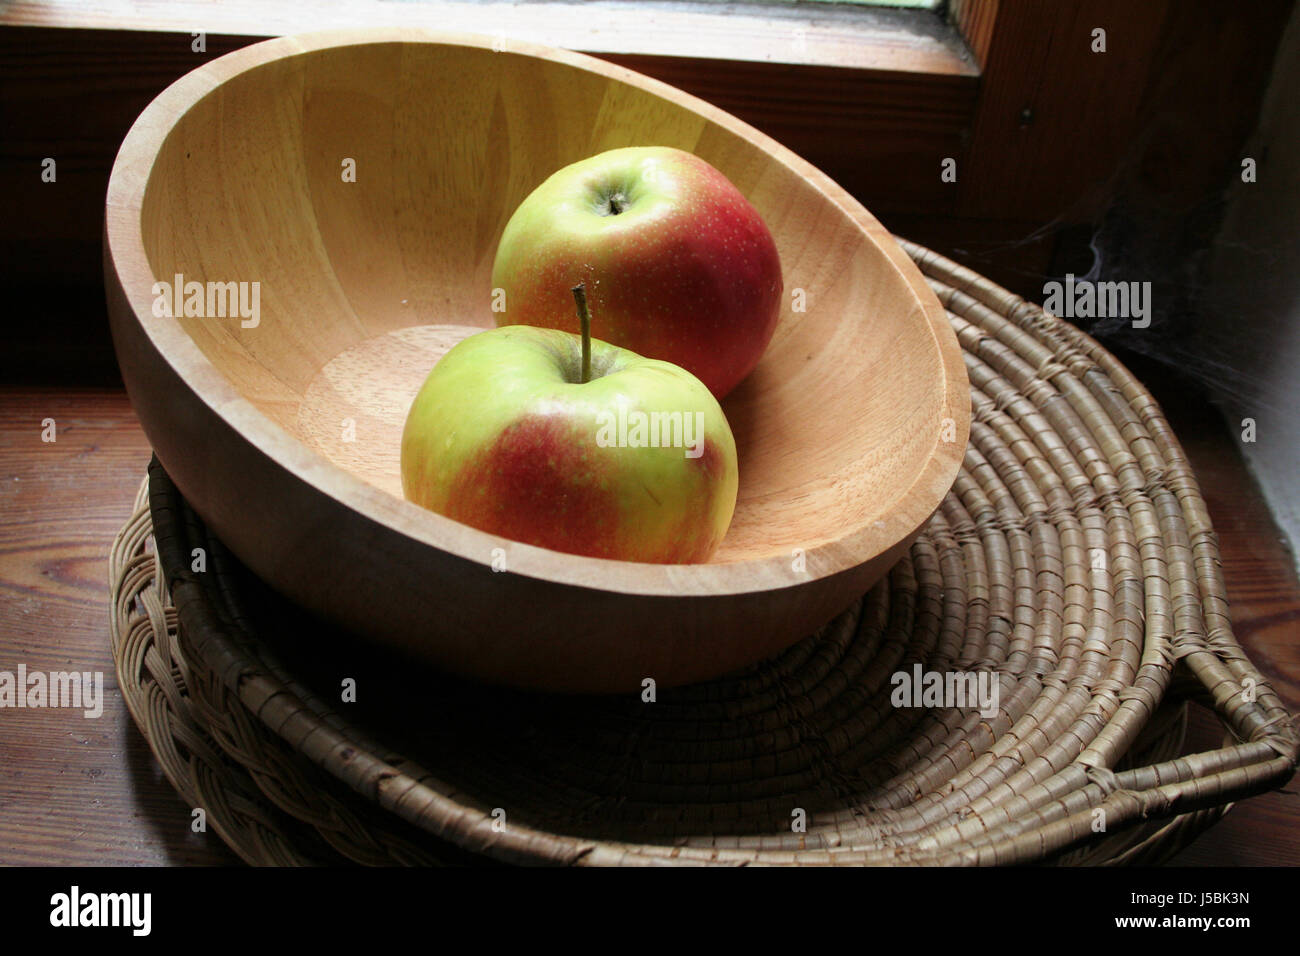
(284,434)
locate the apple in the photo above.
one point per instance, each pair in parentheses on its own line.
(677,264)
(573,444)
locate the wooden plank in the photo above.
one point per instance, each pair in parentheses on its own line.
(975,21)
(882,136)
(843,36)
(1055,118)
(69,95)
(74,790)
(1153,124)
(1193,125)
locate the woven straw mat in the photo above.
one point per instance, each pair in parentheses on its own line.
(1073,562)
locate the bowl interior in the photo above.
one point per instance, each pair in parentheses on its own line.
(364,280)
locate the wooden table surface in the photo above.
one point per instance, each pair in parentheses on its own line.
(77,791)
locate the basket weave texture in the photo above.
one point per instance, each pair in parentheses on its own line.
(1073,563)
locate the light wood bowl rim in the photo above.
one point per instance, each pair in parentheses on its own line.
(124,243)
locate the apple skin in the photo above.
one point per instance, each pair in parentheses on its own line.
(686,272)
(502,436)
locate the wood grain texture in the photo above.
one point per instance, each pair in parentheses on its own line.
(1062,130)
(881,135)
(65,95)
(1054,117)
(976,21)
(76,791)
(839,470)
(874,39)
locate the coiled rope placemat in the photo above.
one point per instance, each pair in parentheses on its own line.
(1073,561)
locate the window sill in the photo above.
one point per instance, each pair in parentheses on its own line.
(835,36)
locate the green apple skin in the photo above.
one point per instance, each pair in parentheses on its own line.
(677,263)
(504,437)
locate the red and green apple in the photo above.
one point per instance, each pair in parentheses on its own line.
(677,263)
(615,456)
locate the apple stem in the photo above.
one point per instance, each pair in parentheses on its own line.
(584,324)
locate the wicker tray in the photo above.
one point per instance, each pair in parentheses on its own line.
(1073,560)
